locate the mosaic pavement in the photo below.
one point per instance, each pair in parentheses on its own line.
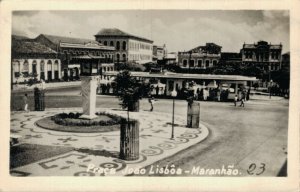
(101,150)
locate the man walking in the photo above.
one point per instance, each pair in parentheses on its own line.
(242,102)
(151,101)
(235,100)
(25,100)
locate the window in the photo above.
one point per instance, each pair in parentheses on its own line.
(124,45)
(118,57)
(49,65)
(56,65)
(17,67)
(118,45)
(124,57)
(207,63)
(111,43)
(214,62)
(105,43)
(192,63)
(34,71)
(25,68)
(199,63)
(184,63)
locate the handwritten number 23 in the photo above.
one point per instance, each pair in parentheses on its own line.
(252,168)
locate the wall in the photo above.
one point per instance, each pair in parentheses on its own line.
(21,62)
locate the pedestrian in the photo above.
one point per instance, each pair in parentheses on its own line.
(42,85)
(151,101)
(235,100)
(25,100)
(242,102)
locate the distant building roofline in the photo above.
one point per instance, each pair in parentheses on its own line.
(114,32)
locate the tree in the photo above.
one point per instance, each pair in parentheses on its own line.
(129,90)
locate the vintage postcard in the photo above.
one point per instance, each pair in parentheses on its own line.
(109,96)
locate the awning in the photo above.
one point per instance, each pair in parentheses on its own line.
(88,57)
(212,84)
(71,66)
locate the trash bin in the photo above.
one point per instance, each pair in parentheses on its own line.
(193,115)
(39,100)
(129,140)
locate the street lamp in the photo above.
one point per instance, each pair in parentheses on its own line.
(270,87)
(173,94)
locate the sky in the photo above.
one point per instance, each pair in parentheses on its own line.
(180,30)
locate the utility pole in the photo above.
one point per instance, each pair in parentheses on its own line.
(190,52)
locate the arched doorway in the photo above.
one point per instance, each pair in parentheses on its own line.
(34,70)
(118,57)
(56,75)
(42,70)
(124,57)
(25,68)
(49,70)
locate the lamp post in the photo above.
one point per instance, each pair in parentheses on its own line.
(173,94)
(270,81)
(270,87)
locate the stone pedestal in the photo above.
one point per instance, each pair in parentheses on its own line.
(193,115)
(88,92)
(129,140)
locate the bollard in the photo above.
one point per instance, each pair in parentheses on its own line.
(39,100)
(193,115)
(129,140)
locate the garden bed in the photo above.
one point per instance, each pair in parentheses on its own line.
(72,123)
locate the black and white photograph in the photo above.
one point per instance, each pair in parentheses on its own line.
(162,93)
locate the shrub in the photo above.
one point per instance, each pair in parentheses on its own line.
(72,119)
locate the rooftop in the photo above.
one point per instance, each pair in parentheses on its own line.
(262,44)
(87,46)
(109,32)
(23,46)
(19,37)
(61,39)
(187,76)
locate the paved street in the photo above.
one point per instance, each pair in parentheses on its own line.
(237,136)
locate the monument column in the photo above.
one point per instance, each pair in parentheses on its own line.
(88,91)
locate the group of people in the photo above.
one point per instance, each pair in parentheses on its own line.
(42,86)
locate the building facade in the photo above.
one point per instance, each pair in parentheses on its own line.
(285,64)
(129,48)
(230,59)
(200,57)
(32,60)
(159,53)
(72,51)
(263,55)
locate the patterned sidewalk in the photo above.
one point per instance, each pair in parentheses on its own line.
(101,150)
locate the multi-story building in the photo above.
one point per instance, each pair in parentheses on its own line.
(285,63)
(200,57)
(31,59)
(159,53)
(262,54)
(73,51)
(129,48)
(230,58)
